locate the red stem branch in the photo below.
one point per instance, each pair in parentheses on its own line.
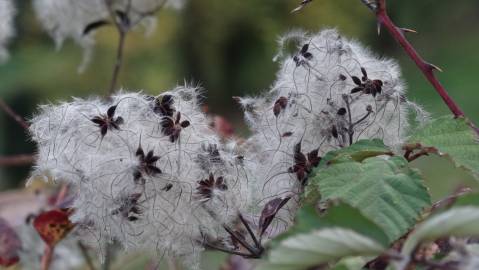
(426,68)
(17,160)
(47,257)
(4,106)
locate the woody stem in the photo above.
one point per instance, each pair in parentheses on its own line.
(426,68)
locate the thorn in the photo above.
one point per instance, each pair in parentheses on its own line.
(297,9)
(379,27)
(434,67)
(301,5)
(408,30)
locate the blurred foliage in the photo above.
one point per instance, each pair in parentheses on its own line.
(227,47)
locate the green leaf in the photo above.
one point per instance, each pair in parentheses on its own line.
(460,222)
(358,152)
(385,189)
(471,199)
(352,263)
(454,138)
(319,247)
(338,215)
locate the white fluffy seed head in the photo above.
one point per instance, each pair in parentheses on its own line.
(312,103)
(7,13)
(64,19)
(150,173)
(120,193)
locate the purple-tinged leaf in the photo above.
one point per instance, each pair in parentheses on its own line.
(9,244)
(269,212)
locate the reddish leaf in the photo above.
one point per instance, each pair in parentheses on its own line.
(269,212)
(9,244)
(53,226)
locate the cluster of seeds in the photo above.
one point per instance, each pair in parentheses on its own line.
(150,173)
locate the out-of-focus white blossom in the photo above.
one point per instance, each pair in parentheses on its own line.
(74,19)
(312,107)
(7,13)
(155,178)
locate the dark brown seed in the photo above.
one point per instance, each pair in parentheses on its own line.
(356,80)
(334,132)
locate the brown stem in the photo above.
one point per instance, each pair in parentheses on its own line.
(119,60)
(17,160)
(214,247)
(86,256)
(351,125)
(172,264)
(424,151)
(4,106)
(251,233)
(255,253)
(449,200)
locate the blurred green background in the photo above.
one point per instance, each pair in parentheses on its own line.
(227,46)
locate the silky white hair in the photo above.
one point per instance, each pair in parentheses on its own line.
(7,14)
(310,105)
(64,19)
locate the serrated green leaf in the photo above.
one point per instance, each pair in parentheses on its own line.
(454,138)
(358,152)
(460,221)
(471,199)
(385,189)
(353,263)
(338,215)
(319,247)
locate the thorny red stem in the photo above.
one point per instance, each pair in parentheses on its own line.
(426,68)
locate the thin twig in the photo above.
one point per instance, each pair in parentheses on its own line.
(449,200)
(47,257)
(86,256)
(122,30)
(253,251)
(172,264)
(17,160)
(424,151)
(248,228)
(118,61)
(427,69)
(13,114)
(350,119)
(108,254)
(214,247)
